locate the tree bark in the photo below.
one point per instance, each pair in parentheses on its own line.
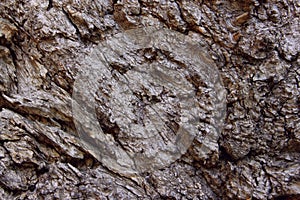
(242,137)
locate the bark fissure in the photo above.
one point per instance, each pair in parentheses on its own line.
(255,46)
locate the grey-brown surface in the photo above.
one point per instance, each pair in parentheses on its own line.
(255,46)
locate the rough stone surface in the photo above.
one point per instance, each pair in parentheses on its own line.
(254,44)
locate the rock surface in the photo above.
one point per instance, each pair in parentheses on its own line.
(254,46)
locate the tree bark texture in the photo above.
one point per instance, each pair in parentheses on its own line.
(253,44)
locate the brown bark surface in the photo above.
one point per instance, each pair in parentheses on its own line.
(254,45)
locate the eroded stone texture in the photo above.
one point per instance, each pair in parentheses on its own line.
(254,44)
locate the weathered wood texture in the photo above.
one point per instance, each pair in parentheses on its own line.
(255,45)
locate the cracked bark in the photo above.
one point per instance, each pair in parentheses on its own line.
(254,44)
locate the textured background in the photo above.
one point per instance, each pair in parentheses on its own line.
(254,44)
